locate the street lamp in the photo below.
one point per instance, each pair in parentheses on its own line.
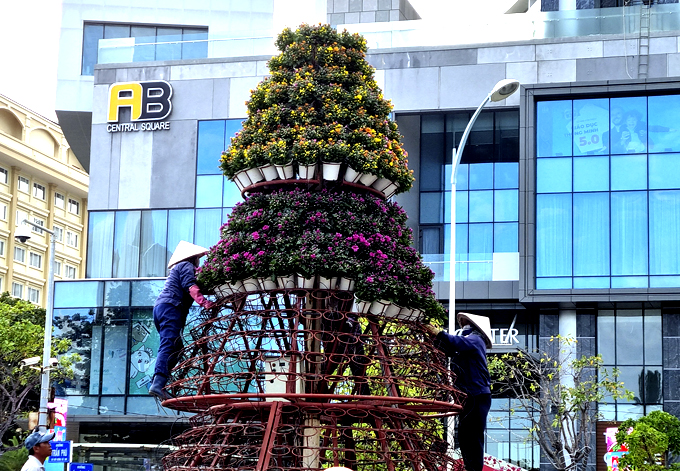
(22,234)
(500,91)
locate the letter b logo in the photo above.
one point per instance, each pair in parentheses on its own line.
(148,101)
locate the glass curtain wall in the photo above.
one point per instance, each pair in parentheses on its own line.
(608,193)
(487,191)
(139,243)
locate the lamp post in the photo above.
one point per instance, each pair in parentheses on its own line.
(500,91)
(23,234)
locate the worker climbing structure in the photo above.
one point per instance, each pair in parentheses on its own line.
(315,355)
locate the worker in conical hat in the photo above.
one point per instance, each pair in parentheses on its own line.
(468,354)
(171,310)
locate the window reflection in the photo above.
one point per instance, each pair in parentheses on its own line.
(664,114)
(553,128)
(590,126)
(76,325)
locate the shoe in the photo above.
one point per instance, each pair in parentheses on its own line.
(157,388)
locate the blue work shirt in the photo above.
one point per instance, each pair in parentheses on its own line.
(468,353)
(176,289)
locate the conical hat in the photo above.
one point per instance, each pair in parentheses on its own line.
(481,323)
(184,251)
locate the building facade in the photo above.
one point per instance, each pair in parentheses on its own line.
(42,181)
(567,205)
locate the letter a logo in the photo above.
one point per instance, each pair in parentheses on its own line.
(148,101)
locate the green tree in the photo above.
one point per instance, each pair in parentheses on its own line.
(650,439)
(22,327)
(560,393)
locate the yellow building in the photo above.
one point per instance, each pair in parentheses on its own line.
(40,180)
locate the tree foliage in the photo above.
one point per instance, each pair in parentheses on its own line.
(22,327)
(560,393)
(649,439)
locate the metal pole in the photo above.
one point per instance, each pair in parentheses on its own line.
(47,342)
(455,160)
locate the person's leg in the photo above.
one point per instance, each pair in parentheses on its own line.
(471,430)
(169,322)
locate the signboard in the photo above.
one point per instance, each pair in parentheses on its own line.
(149,104)
(61,452)
(60,408)
(81,467)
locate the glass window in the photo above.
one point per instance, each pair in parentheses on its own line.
(144,350)
(17,290)
(72,239)
(232,195)
(664,113)
(40,223)
(78,294)
(591,234)
(144,293)
(57,268)
(58,233)
(629,132)
(38,191)
(591,173)
(553,175)
(506,205)
(432,145)
(664,219)
(100,245)
(70,272)
(126,244)
(2,248)
(210,146)
(207,229)
(430,239)
(73,206)
(431,208)
(92,33)
(76,325)
(116,293)
(169,45)
(481,176)
(505,237)
(506,175)
(554,128)
(195,45)
(653,340)
(3,212)
(209,191)
(154,239)
(4,176)
(34,295)
(462,207)
(115,361)
(553,235)
(19,255)
(23,184)
(21,216)
(629,246)
(145,38)
(664,171)
(180,227)
(59,200)
(35,260)
(629,172)
(481,206)
(590,126)
(480,249)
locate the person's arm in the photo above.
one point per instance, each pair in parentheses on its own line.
(450,344)
(187,277)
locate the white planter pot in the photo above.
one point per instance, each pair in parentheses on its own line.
(251,285)
(305,283)
(331,171)
(285,171)
(306,172)
(367,179)
(392,310)
(381,183)
(346,284)
(269,172)
(391,190)
(334,282)
(224,291)
(267,284)
(324,282)
(241,179)
(351,175)
(255,175)
(360,307)
(378,307)
(286,282)
(405,313)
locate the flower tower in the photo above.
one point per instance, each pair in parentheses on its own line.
(316,356)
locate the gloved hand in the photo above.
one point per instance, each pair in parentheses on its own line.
(195,293)
(208,305)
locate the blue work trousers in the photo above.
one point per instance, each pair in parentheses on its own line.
(170,321)
(471,428)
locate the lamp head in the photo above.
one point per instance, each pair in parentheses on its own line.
(504,89)
(22,233)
